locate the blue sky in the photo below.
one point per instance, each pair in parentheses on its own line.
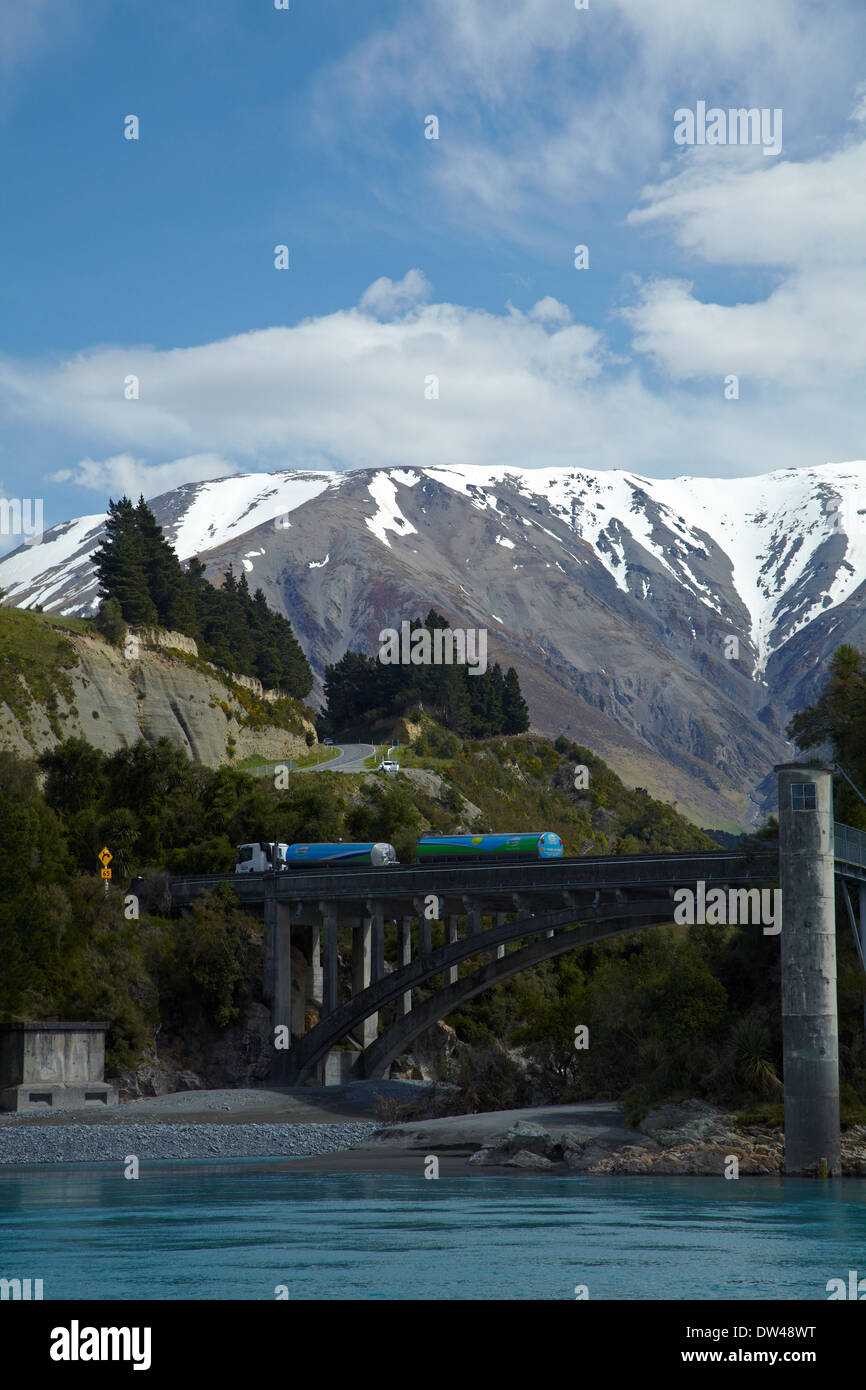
(412,258)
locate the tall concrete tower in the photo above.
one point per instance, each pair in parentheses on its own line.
(810,1034)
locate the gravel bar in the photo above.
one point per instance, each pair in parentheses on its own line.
(101,1144)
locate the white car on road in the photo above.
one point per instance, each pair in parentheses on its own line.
(389,766)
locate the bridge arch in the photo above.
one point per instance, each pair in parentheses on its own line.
(609,919)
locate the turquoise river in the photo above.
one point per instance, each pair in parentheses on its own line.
(244,1230)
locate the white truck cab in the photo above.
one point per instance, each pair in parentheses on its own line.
(258,857)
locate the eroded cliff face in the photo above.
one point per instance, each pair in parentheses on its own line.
(117,700)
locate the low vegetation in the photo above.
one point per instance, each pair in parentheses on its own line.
(35,658)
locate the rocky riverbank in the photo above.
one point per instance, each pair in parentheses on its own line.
(337,1129)
(691,1139)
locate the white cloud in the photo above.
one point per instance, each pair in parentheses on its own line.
(809,333)
(549,310)
(750,213)
(123,474)
(345,387)
(386,298)
(803,221)
(518,389)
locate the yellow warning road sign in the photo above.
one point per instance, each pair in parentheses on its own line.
(105,857)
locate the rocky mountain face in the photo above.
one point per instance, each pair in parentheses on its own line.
(117,700)
(673,626)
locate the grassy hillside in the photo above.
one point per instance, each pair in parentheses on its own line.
(34,660)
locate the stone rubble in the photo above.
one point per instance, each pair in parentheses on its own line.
(690,1139)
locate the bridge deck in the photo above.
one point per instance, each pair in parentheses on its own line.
(496,883)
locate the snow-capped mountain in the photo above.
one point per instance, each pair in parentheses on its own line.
(617,597)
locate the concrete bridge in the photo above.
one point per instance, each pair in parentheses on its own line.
(500,919)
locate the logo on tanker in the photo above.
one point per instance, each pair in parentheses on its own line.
(476,839)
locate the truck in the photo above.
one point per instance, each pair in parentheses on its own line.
(258,857)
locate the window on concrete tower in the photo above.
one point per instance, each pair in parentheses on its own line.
(804,796)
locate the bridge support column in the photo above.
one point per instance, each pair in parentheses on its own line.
(362,957)
(278,922)
(404,1005)
(452,936)
(369,965)
(425,929)
(862,895)
(500,922)
(315,978)
(377,924)
(329,958)
(473,917)
(810,1040)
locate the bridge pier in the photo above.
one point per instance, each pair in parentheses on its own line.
(451,938)
(362,957)
(329,958)
(376,917)
(278,975)
(425,928)
(314,989)
(404,1005)
(810,1039)
(861,893)
(473,917)
(499,920)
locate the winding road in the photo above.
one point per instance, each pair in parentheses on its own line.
(351,759)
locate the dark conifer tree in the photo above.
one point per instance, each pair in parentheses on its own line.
(167,584)
(485,702)
(515,713)
(120,562)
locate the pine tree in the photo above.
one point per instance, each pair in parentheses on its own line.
(270,663)
(166,581)
(120,562)
(485,702)
(515,713)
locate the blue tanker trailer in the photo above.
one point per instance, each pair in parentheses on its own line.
(530,844)
(378,855)
(258,857)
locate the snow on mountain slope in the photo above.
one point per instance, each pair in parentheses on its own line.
(383,490)
(227,508)
(794,540)
(770,527)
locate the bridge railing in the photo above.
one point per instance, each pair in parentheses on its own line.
(849,844)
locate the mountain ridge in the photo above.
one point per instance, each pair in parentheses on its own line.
(675,625)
